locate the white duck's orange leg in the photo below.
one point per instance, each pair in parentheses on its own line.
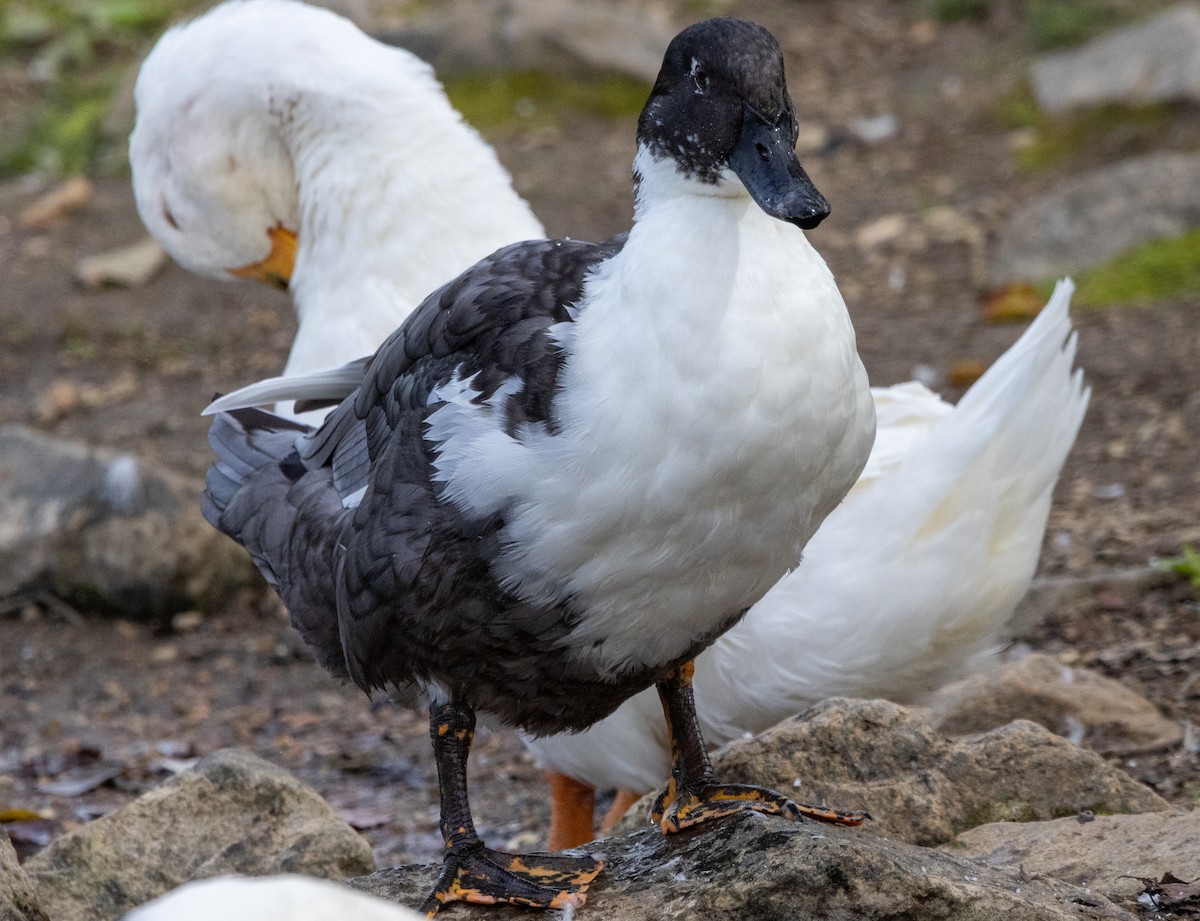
(621,805)
(572,807)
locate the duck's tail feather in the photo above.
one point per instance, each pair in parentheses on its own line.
(315,390)
(286,515)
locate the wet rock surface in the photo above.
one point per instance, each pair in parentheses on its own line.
(232,813)
(1107,854)
(106,530)
(749,867)
(18,901)
(1090,218)
(1091,710)
(919,785)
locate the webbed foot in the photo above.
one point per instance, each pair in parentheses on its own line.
(484,876)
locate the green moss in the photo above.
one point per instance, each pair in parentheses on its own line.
(1001,812)
(532,99)
(80,49)
(1058,141)
(1159,269)
(956,10)
(1061,23)
(1186,566)
(1048,23)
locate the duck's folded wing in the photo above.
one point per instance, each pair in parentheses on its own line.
(486,334)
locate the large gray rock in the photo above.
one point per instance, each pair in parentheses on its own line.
(232,813)
(1107,855)
(1086,707)
(550,35)
(107,530)
(18,901)
(920,786)
(1152,61)
(1091,218)
(749,867)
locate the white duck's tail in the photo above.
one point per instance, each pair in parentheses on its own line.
(913,579)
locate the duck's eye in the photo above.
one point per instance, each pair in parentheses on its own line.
(700,76)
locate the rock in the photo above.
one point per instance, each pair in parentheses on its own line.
(271,898)
(1156,60)
(1101,854)
(18,901)
(232,813)
(107,531)
(920,786)
(550,35)
(128,266)
(1087,708)
(750,867)
(1096,216)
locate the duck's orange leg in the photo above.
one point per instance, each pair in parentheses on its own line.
(621,805)
(572,807)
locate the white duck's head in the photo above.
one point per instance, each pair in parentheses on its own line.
(275,140)
(212,174)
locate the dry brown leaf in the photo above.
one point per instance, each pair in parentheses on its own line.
(965,372)
(60,201)
(1013,303)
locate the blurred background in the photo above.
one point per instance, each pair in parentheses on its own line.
(973,152)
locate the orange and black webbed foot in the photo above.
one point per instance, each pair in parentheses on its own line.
(482,875)
(693,795)
(675,810)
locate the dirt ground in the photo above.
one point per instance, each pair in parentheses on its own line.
(94,712)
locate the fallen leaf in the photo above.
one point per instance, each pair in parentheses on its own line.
(881,230)
(1172,892)
(16,814)
(30,837)
(965,372)
(83,781)
(128,267)
(361,819)
(1011,304)
(60,201)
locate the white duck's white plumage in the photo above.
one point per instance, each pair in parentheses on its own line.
(892,599)
(908,584)
(269,898)
(272,113)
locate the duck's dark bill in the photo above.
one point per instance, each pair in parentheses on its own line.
(765,160)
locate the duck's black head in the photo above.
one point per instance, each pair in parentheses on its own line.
(720,102)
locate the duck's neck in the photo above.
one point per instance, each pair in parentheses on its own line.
(702,256)
(397,196)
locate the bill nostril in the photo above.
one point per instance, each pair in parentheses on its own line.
(763,153)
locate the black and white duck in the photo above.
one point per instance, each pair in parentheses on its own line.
(576,465)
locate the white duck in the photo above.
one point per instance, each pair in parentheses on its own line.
(274,140)
(930,552)
(269,898)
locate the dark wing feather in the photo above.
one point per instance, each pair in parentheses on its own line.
(416,591)
(286,516)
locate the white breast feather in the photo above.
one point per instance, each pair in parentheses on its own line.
(688,396)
